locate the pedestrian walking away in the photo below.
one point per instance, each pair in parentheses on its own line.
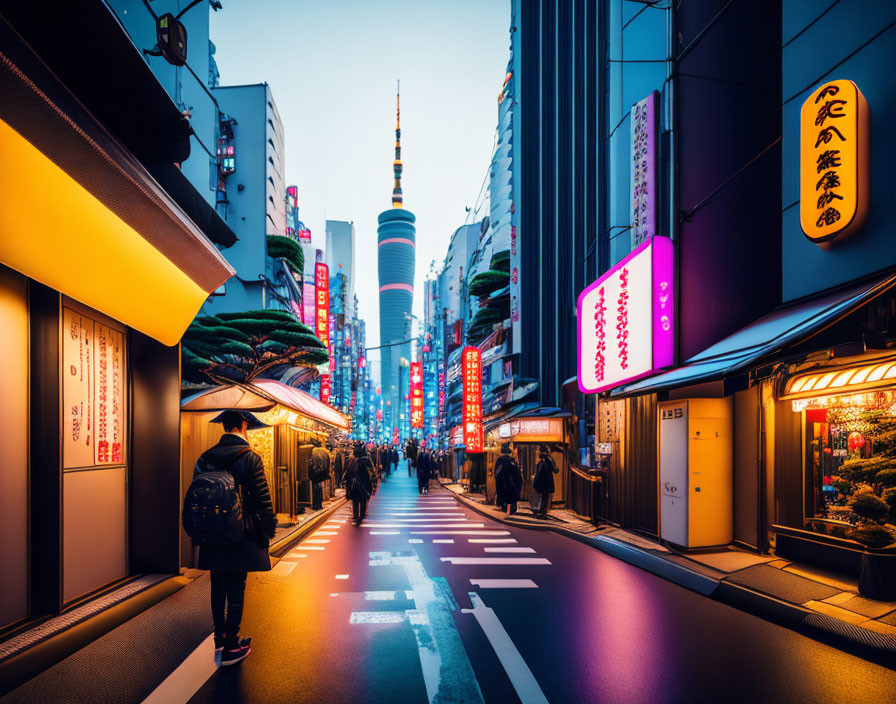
(508,480)
(318,472)
(393,453)
(543,482)
(228,512)
(358,483)
(424,466)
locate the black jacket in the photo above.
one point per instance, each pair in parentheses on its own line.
(545,470)
(424,467)
(358,467)
(319,465)
(508,480)
(250,553)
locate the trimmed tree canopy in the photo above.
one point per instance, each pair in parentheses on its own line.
(501,261)
(280,247)
(243,346)
(483,284)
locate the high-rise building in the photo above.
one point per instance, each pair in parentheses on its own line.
(256,206)
(397,237)
(340,257)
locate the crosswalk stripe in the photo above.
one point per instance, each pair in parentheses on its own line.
(509,550)
(504,583)
(491,540)
(496,560)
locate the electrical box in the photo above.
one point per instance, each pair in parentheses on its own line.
(696,472)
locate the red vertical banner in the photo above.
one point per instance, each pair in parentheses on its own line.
(322,319)
(416,394)
(471,362)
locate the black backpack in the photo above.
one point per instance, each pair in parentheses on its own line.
(213,511)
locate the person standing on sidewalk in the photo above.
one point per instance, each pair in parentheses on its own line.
(393,458)
(543,482)
(410,452)
(318,472)
(508,480)
(230,563)
(339,461)
(358,485)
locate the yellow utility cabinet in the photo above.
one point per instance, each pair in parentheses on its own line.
(696,472)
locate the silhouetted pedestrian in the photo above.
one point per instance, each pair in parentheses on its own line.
(543,482)
(358,483)
(508,480)
(318,472)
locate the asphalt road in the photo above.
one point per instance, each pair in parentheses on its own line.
(381,613)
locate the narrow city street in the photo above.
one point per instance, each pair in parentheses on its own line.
(428,600)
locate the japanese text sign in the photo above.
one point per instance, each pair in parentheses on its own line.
(643,169)
(471,371)
(834,136)
(626,319)
(416,394)
(322,318)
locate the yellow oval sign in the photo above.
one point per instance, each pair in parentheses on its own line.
(834,133)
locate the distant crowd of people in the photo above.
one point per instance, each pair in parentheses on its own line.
(228,510)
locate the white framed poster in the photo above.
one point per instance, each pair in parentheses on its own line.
(93,392)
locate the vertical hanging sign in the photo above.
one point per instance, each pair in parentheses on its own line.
(416,394)
(643,169)
(834,136)
(322,319)
(471,362)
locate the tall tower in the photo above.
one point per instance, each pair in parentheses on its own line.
(397,238)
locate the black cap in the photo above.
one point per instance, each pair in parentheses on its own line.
(234,419)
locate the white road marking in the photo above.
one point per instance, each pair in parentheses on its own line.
(509,550)
(379,596)
(341,576)
(496,560)
(460,532)
(443,540)
(425,525)
(188,678)
(282,569)
(310,547)
(318,540)
(376,617)
(504,583)
(385,532)
(491,540)
(415,540)
(521,677)
(326,532)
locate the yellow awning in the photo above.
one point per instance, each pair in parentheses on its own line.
(865,377)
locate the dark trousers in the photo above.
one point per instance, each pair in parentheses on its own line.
(512,505)
(545,504)
(317,496)
(359,510)
(228,590)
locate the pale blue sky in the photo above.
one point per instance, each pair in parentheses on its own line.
(332,65)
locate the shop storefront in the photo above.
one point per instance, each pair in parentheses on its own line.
(836,490)
(527,433)
(101,271)
(295,421)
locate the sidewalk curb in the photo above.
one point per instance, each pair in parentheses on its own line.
(879,647)
(285,544)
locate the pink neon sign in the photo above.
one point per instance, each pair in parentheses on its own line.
(626,319)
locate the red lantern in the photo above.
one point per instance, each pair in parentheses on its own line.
(855,441)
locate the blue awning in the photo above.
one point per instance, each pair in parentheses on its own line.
(781,329)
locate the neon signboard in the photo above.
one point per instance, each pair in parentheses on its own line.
(834,136)
(626,320)
(471,363)
(416,394)
(322,319)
